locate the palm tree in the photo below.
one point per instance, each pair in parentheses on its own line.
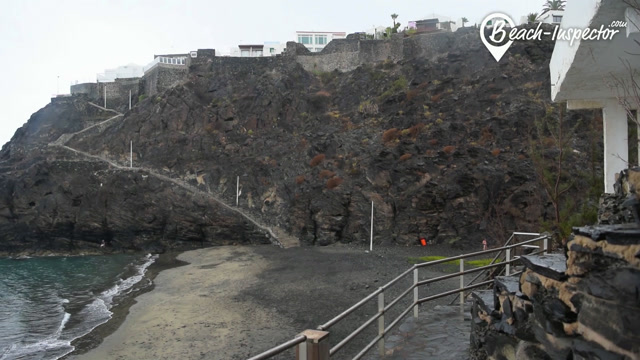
(394,17)
(532,17)
(464,20)
(553,5)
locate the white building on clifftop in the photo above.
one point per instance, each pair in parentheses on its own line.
(315,41)
(121,72)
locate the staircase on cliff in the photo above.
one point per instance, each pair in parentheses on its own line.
(277,235)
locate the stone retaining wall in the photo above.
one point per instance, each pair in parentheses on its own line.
(580,306)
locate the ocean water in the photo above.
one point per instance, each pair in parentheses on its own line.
(46,303)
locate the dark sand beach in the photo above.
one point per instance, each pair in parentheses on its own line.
(234,302)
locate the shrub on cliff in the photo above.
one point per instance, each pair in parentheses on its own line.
(390,135)
(316,160)
(334,182)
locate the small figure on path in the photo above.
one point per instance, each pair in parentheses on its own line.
(102,244)
(484,244)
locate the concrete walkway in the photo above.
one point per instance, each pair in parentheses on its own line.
(441,333)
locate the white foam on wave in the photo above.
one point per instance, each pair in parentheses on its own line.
(51,343)
(94,314)
(123,285)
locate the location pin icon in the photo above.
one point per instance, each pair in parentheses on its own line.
(499,22)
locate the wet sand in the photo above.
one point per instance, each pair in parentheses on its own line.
(234,302)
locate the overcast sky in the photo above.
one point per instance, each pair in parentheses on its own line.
(47,45)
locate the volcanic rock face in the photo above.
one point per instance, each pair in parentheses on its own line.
(439,146)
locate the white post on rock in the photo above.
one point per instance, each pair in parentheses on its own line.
(237,189)
(105,95)
(371,240)
(131,155)
(129,99)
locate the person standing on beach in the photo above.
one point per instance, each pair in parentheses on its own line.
(484,244)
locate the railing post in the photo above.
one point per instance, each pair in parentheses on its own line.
(316,347)
(415,292)
(461,286)
(545,245)
(381,322)
(507,260)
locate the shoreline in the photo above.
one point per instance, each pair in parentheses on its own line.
(233,302)
(120,312)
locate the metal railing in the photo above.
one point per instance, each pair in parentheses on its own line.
(514,236)
(417,300)
(280,348)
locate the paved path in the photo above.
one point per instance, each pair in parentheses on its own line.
(441,333)
(278,236)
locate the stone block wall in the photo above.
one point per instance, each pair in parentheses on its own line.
(117,92)
(163,77)
(582,305)
(348,54)
(89,89)
(204,59)
(611,209)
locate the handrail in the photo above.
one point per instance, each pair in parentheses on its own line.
(354,333)
(451,292)
(353,308)
(280,348)
(448,276)
(513,235)
(477,253)
(382,309)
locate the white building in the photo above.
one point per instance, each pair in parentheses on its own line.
(433,22)
(121,72)
(551,17)
(316,40)
(269,48)
(176,60)
(587,74)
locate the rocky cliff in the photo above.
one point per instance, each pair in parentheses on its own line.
(439,144)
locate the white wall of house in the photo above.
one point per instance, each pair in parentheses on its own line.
(551,17)
(315,41)
(121,72)
(273,48)
(270,48)
(584,75)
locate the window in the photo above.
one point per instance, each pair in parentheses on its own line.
(557,19)
(257,53)
(272,51)
(194,54)
(244,53)
(321,39)
(305,39)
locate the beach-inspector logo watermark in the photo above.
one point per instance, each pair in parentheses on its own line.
(499,40)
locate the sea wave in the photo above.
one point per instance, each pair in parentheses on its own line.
(92,315)
(51,344)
